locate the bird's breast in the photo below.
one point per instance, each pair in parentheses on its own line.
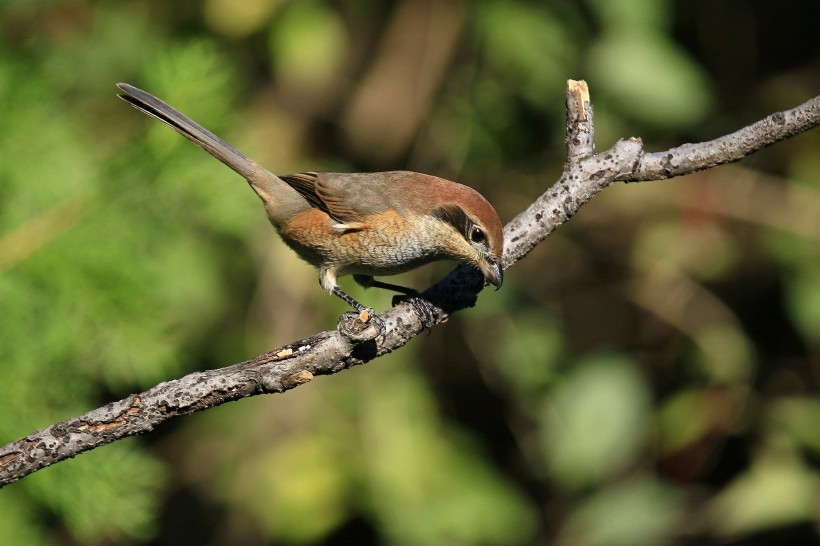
(386,243)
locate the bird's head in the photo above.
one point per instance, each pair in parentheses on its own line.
(475,235)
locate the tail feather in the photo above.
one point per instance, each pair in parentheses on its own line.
(188,128)
(282,202)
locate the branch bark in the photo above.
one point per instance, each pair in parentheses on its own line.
(585,174)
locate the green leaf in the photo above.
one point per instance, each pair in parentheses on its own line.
(528,44)
(18,520)
(777,490)
(649,78)
(798,417)
(424,471)
(596,421)
(803,301)
(109,493)
(308,46)
(636,512)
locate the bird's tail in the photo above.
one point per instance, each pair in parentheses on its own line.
(281,201)
(154,107)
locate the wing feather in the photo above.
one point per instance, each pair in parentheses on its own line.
(350,197)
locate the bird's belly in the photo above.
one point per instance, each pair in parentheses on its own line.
(379,261)
(376,253)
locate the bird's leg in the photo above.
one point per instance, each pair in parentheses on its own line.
(364,314)
(426,310)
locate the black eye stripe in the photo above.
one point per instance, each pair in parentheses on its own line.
(456,217)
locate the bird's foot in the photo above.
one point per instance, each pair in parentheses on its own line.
(427,311)
(361,325)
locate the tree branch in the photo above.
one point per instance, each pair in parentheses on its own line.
(585,174)
(689,158)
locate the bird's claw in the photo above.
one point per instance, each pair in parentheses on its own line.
(358,325)
(427,311)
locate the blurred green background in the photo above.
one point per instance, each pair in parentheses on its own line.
(648,375)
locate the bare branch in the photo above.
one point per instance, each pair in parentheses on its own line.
(585,174)
(690,158)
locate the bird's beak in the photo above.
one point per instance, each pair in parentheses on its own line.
(493,273)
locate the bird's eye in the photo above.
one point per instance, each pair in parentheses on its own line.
(476,235)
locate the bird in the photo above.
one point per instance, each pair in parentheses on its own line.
(362,224)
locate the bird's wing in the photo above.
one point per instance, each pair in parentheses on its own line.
(305,184)
(347,198)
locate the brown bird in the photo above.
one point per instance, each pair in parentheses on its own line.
(364,224)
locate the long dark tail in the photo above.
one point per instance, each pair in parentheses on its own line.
(281,201)
(188,128)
